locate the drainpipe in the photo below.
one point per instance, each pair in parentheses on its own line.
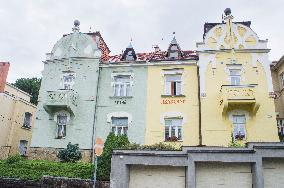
(95,112)
(199,107)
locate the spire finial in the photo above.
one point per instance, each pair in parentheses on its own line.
(174,41)
(76,26)
(130,44)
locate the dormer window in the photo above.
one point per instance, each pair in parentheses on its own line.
(129,54)
(174,51)
(68,81)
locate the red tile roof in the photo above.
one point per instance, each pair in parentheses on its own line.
(156,56)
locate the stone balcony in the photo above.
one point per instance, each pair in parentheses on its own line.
(239,96)
(61,100)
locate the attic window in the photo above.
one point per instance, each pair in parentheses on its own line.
(129,56)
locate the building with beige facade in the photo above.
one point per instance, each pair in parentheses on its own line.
(16,117)
(277,72)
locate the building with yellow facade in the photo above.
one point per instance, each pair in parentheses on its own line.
(235,85)
(16,117)
(172,112)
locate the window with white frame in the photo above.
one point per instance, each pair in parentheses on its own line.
(173,129)
(27,120)
(235,76)
(68,81)
(122,86)
(282,79)
(23,147)
(239,127)
(173,84)
(119,125)
(61,125)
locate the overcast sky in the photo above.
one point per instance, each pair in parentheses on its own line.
(30,28)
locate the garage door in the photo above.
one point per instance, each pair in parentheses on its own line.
(156,177)
(273,173)
(233,175)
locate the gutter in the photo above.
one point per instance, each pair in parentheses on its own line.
(95,112)
(199,107)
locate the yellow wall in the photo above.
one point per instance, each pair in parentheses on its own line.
(155,130)
(217,129)
(12,113)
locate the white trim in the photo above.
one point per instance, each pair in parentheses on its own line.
(62,112)
(172,114)
(238,112)
(120,114)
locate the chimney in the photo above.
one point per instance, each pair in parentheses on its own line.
(4,69)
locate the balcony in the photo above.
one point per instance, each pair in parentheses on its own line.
(239,97)
(61,100)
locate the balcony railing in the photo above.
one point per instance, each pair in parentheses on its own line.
(232,95)
(61,99)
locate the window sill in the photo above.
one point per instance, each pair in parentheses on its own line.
(26,127)
(121,97)
(168,141)
(59,138)
(172,96)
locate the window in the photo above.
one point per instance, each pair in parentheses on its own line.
(173,129)
(68,81)
(280,126)
(239,127)
(235,76)
(173,84)
(122,86)
(119,125)
(27,120)
(282,79)
(23,147)
(61,125)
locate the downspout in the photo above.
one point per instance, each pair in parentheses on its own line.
(199,107)
(95,112)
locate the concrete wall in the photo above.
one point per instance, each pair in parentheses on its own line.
(215,166)
(51,182)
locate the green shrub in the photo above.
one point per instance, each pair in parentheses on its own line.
(70,154)
(158,146)
(104,161)
(35,169)
(14,159)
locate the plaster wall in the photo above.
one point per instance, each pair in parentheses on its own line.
(159,106)
(79,129)
(134,106)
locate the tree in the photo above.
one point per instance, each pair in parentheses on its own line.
(104,161)
(31,86)
(70,154)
